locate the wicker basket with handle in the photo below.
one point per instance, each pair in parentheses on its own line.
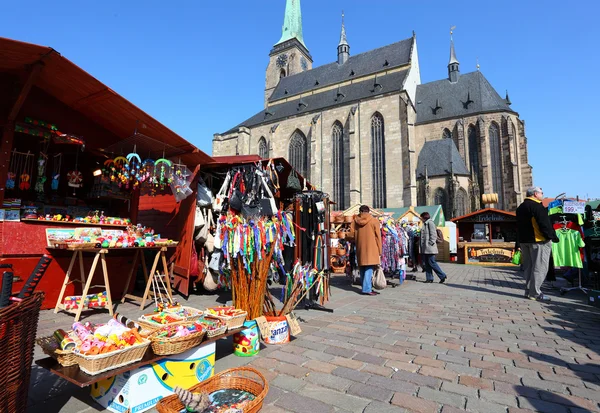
(241,378)
(51,347)
(100,363)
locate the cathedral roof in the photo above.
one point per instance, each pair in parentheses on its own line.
(344,95)
(367,63)
(436,157)
(470,94)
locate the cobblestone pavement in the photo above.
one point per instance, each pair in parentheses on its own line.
(472,344)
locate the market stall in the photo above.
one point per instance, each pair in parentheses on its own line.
(73,156)
(486,237)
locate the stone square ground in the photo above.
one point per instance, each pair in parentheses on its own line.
(473,344)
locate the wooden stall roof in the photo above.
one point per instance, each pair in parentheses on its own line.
(484,211)
(79,90)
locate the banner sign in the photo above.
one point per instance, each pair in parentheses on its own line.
(573,207)
(489,254)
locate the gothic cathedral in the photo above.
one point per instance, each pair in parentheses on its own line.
(365,130)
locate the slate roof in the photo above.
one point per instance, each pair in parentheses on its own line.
(352,93)
(452,98)
(434,155)
(396,54)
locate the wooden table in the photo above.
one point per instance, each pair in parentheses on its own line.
(100,255)
(74,375)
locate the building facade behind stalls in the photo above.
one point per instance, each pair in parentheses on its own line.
(365,129)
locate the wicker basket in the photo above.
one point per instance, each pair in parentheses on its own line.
(100,363)
(231,322)
(18,328)
(51,347)
(195,312)
(241,378)
(163,346)
(218,331)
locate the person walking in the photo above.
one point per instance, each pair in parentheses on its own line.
(367,236)
(535,235)
(429,249)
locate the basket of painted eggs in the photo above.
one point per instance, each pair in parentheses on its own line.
(108,346)
(177,338)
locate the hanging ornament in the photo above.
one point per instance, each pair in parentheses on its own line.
(10,180)
(25,177)
(41,176)
(24,185)
(75,179)
(56,171)
(162,172)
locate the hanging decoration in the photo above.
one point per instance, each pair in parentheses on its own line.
(50,131)
(41,173)
(133,166)
(75,178)
(56,164)
(27,171)
(162,175)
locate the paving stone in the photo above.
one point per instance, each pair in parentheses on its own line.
(393,384)
(292,370)
(265,363)
(417,379)
(379,370)
(568,400)
(343,401)
(476,405)
(516,390)
(368,358)
(301,404)
(499,376)
(371,392)
(442,397)
(424,361)
(407,358)
(317,355)
(487,365)
(414,404)
(463,370)
(439,373)
(459,389)
(288,383)
(453,359)
(500,398)
(273,395)
(585,393)
(532,374)
(339,351)
(288,358)
(349,363)
(320,366)
(541,406)
(544,385)
(476,382)
(328,380)
(402,366)
(351,374)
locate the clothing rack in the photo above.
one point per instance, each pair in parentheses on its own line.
(580,286)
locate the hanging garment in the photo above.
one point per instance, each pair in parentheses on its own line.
(566,252)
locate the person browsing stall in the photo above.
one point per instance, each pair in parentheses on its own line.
(535,235)
(429,249)
(367,236)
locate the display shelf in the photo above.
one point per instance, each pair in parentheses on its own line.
(79,224)
(74,375)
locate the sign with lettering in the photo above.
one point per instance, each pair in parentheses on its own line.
(263,326)
(573,207)
(489,254)
(293,323)
(489,217)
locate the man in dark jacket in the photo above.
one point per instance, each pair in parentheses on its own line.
(535,237)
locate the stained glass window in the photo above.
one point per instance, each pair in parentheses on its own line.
(299,153)
(378,161)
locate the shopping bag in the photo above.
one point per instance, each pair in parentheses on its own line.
(516,259)
(379,281)
(204,196)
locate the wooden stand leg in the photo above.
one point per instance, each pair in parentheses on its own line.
(133,267)
(87,283)
(106,283)
(167,273)
(66,282)
(149,282)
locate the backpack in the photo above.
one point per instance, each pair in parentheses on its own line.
(440,236)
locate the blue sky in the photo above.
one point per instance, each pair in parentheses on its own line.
(199,66)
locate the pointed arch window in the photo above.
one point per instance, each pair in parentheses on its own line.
(473,150)
(281,74)
(440,198)
(263,149)
(378,161)
(461,203)
(513,143)
(446,134)
(339,165)
(496,163)
(298,153)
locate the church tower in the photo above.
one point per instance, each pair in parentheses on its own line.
(289,55)
(343,47)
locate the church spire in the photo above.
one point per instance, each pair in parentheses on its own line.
(343,47)
(453,71)
(292,23)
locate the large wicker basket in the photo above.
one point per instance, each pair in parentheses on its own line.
(18,329)
(241,378)
(163,346)
(100,363)
(51,347)
(231,322)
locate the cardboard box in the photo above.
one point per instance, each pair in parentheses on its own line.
(141,389)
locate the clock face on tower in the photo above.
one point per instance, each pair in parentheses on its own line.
(303,63)
(282,60)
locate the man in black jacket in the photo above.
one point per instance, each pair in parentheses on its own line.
(535,237)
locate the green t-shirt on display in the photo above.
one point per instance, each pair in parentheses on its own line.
(566,252)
